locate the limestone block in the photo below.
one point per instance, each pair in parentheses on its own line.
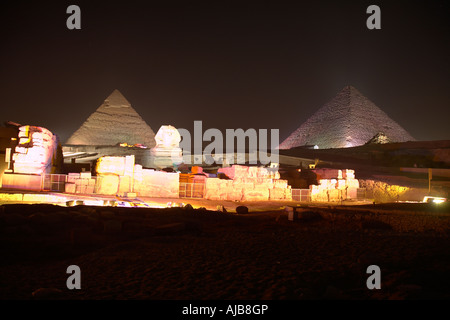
(277,194)
(235,171)
(240,171)
(352,193)
(90,189)
(129,166)
(107,184)
(326,173)
(158,184)
(341,184)
(211,189)
(112,165)
(80,189)
(328,183)
(218,189)
(85,175)
(349,174)
(20,150)
(352,183)
(125,184)
(234,195)
(262,173)
(70,187)
(255,195)
(224,188)
(334,195)
(138,173)
(280,183)
(21,181)
(252,172)
(288,193)
(72,177)
(266,182)
(11,196)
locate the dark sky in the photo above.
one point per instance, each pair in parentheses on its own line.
(231,64)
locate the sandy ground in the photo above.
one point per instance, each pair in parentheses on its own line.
(178,254)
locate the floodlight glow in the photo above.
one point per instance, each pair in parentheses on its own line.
(434,199)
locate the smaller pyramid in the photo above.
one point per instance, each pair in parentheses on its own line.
(379,138)
(115,121)
(347,120)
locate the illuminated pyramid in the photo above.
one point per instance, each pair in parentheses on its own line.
(115,121)
(348,120)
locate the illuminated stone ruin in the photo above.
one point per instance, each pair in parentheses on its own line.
(247,184)
(334,185)
(167,152)
(37,152)
(348,120)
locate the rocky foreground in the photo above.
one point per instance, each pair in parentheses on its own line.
(177,253)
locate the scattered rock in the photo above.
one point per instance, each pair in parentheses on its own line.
(73,203)
(241,210)
(221,208)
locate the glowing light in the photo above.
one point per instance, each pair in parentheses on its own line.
(94,203)
(434,199)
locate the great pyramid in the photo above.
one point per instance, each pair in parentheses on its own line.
(348,120)
(115,121)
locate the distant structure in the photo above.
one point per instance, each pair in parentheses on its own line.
(348,120)
(114,122)
(114,129)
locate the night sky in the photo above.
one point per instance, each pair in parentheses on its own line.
(230,64)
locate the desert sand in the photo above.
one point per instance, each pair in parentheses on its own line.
(196,254)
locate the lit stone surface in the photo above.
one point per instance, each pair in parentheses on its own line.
(114,122)
(36,150)
(247,184)
(167,151)
(348,120)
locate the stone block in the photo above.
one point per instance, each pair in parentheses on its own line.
(107,184)
(70,187)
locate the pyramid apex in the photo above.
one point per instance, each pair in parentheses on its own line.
(349,88)
(116,98)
